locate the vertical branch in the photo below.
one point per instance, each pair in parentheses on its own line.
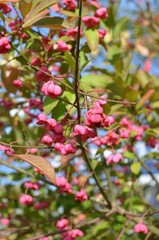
(77,62)
(94,175)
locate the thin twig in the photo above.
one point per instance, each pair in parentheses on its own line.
(123,230)
(94,175)
(77,62)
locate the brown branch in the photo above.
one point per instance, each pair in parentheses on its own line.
(94,174)
(147,169)
(77,62)
(123,230)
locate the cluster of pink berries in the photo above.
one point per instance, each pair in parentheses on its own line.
(110,139)
(127,127)
(51,90)
(70,234)
(5,8)
(81,196)
(43,75)
(96,118)
(5,221)
(73,32)
(65,149)
(152,142)
(4,45)
(9,151)
(8,105)
(64,186)
(26,199)
(83,132)
(36,102)
(17,83)
(140,227)
(62,46)
(36,62)
(91,22)
(31,185)
(15,25)
(69,4)
(51,125)
(47,44)
(41,205)
(114,158)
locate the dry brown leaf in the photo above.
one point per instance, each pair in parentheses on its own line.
(42,164)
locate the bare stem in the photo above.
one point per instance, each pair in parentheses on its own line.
(94,175)
(77,62)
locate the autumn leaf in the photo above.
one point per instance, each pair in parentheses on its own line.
(42,164)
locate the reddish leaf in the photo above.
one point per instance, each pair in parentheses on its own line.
(146,97)
(37,12)
(7,1)
(42,164)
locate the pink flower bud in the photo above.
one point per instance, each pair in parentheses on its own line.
(76,233)
(41,119)
(61,182)
(5,221)
(47,139)
(4,45)
(90,21)
(140,227)
(5,8)
(114,158)
(101,33)
(50,124)
(101,13)
(17,83)
(26,199)
(70,4)
(43,75)
(62,46)
(36,61)
(62,224)
(81,196)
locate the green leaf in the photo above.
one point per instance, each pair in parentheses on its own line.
(95,81)
(30,21)
(35,3)
(130,94)
(92,38)
(49,104)
(155,104)
(71,61)
(59,111)
(25,7)
(94,163)
(41,5)
(52,22)
(120,26)
(37,12)
(106,108)
(113,53)
(69,96)
(135,168)
(129,155)
(143,100)
(142,77)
